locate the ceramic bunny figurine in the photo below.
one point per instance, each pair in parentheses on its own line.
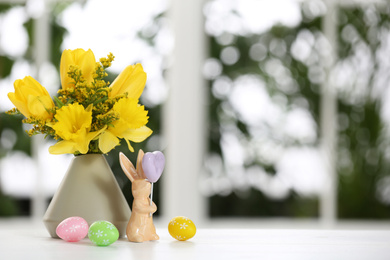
(140,227)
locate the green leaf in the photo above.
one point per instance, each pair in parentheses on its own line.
(100,100)
(102,89)
(58,102)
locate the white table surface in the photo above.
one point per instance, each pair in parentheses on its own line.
(24,240)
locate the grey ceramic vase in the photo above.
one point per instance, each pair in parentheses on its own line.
(89,190)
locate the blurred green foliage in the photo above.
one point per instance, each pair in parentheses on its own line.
(11,206)
(255,203)
(365,136)
(362,138)
(14,123)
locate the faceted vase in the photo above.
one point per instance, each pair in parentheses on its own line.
(88,190)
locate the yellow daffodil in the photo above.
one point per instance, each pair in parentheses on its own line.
(31,99)
(131,81)
(85,60)
(130,125)
(89,115)
(73,125)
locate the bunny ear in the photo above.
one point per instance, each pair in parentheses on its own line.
(140,171)
(128,167)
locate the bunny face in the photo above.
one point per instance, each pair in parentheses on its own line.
(141,188)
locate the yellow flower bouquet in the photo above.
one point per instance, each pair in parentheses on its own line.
(90,115)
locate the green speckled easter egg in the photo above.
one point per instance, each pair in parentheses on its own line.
(103,233)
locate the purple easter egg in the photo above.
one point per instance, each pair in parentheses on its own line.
(153,165)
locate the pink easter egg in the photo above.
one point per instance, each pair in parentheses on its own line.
(72,229)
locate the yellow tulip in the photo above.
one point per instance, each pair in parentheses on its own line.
(131,80)
(130,125)
(73,125)
(31,99)
(85,60)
